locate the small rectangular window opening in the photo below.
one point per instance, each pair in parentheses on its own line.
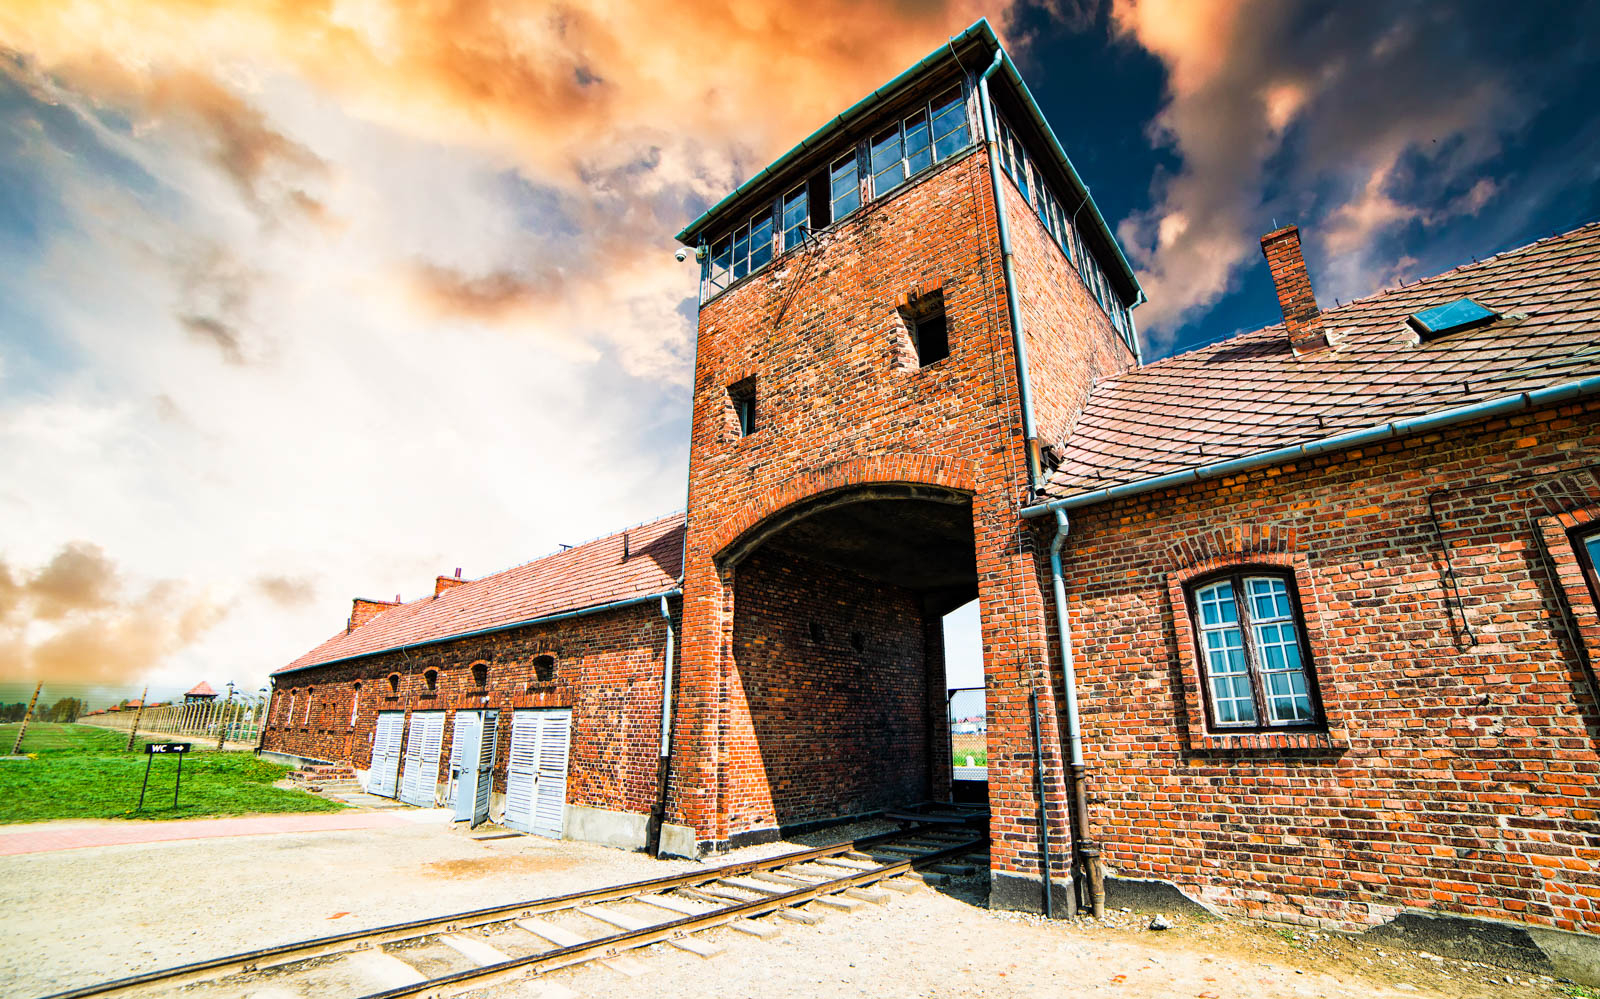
(930,331)
(743,396)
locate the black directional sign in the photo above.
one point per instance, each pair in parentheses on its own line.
(166,747)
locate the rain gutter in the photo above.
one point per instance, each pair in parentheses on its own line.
(1499,406)
(826,134)
(862,110)
(662,595)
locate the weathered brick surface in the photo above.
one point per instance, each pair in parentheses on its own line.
(824,728)
(821,335)
(1459,770)
(608,671)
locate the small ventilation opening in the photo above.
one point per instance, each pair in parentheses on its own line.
(930,332)
(480,675)
(1452,317)
(431,677)
(742,394)
(544,668)
(394,683)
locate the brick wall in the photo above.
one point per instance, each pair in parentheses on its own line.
(608,671)
(832,676)
(840,408)
(1458,772)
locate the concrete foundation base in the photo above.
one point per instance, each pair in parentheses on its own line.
(679,841)
(289,759)
(1025,893)
(626,830)
(1508,945)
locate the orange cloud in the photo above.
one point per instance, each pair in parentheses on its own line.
(565,86)
(72,621)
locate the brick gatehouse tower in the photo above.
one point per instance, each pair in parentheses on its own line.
(880,351)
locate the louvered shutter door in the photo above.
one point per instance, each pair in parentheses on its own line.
(464,762)
(385,753)
(484,781)
(551,791)
(419,784)
(522,770)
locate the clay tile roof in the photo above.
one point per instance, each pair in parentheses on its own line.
(1249,394)
(201,689)
(587,575)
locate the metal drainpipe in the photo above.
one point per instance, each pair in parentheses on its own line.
(1087,850)
(1013,309)
(664,763)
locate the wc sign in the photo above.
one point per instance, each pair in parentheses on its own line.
(151,751)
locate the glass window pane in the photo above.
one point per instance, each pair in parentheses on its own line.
(720,264)
(919,147)
(1591,546)
(760,242)
(949,124)
(741,252)
(844,186)
(795,218)
(886,157)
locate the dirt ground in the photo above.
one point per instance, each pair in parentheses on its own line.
(74,917)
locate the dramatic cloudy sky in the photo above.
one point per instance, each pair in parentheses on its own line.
(305,299)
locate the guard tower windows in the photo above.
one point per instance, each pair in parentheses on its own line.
(845,185)
(796,217)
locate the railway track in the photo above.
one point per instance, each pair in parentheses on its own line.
(445,955)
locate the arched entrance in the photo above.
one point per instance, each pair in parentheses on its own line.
(836,673)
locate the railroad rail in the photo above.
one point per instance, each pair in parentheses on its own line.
(421,957)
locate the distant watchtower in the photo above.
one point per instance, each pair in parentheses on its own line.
(883,362)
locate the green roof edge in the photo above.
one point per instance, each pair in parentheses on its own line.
(981,29)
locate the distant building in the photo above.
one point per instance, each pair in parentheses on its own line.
(200,692)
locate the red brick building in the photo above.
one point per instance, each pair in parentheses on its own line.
(1305,620)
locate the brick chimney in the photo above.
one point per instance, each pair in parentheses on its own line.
(1301,317)
(442,583)
(363,610)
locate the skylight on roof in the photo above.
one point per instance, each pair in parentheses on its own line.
(1461,314)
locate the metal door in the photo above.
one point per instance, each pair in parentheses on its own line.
(488,739)
(536,773)
(382,778)
(419,784)
(464,762)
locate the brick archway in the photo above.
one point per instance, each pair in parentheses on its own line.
(904,475)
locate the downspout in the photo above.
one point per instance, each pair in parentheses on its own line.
(1088,852)
(664,763)
(1013,309)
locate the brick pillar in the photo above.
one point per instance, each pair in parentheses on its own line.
(1017,663)
(938,716)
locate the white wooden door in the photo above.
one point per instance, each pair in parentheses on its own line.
(420,782)
(464,762)
(536,773)
(488,739)
(382,777)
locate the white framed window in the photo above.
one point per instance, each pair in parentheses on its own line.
(307,720)
(355,704)
(1253,651)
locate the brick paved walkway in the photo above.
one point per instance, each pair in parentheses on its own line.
(44,837)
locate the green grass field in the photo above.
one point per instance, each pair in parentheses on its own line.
(82,772)
(980,758)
